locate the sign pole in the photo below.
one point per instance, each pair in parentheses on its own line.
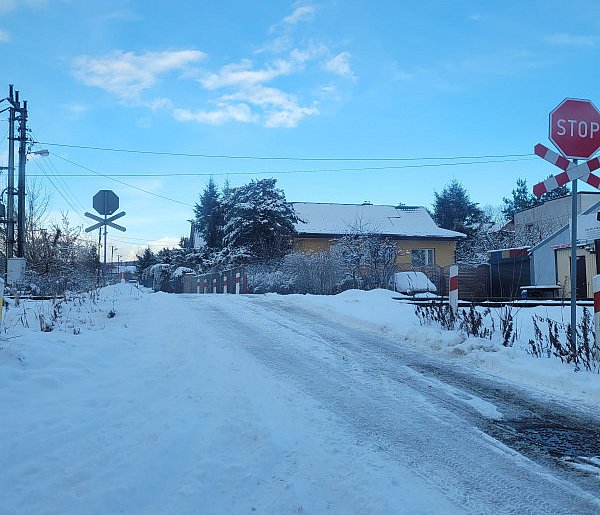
(574,268)
(104,267)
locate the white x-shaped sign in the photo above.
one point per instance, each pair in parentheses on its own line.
(105,221)
(571,171)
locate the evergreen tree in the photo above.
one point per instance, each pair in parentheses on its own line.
(208,216)
(523,198)
(454,210)
(259,223)
(146,260)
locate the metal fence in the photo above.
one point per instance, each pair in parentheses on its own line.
(227,281)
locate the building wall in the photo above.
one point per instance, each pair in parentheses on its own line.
(563,266)
(312,245)
(543,259)
(445,250)
(552,215)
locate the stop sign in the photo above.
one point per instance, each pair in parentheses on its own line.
(105,202)
(575,128)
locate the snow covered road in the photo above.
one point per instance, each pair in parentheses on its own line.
(256,404)
(379,394)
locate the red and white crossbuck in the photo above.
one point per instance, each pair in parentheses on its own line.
(571,171)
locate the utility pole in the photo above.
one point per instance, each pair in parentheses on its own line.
(10,190)
(21,184)
(16,112)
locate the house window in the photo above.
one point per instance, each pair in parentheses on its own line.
(422,257)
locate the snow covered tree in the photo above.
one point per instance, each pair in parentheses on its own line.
(58,259)
(453,209)
(259,223)
(144,261)
(208,216)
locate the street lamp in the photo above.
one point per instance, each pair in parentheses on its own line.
(44,153)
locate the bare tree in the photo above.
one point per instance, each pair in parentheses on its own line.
(370,258)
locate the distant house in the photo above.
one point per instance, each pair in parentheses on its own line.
(195,241)
(412,227)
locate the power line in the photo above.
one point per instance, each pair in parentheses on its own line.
(287,172)
(276,158)
(121,182)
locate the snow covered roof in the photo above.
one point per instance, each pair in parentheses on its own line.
(335,219)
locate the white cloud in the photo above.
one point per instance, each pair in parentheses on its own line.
(4,36)
(10,5)
(403,75)
(126,74)
(570,40)
(145,122)
(280,109)
(300,14)
(225,113)
(240,74)
(303,13)
(340,65)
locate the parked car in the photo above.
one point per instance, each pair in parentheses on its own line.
(413,282)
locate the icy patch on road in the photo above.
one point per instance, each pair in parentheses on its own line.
(396,320)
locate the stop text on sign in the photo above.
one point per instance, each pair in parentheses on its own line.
(577,128)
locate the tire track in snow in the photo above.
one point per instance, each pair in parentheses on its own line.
(395,416)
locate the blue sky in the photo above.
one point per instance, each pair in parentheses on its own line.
(349,82)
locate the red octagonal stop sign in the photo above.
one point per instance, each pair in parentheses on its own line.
(575,128)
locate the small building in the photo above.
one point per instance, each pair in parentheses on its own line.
(539,222)
(509,270)
(551,259)
(412,227)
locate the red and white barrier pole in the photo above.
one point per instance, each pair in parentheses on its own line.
(453,289)
(596,286)
(238,280)
(214,285)
(198,285)
(205,286)
(224,284)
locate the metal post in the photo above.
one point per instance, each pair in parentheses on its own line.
(21,186)
(596,287)
(574,267)
(10,202)
(104,267)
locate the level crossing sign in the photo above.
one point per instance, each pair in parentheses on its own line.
(106,221)
(575,128)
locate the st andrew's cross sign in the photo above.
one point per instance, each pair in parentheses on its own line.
(108,222)
(106,203)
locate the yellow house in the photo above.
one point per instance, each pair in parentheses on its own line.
(425,244)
